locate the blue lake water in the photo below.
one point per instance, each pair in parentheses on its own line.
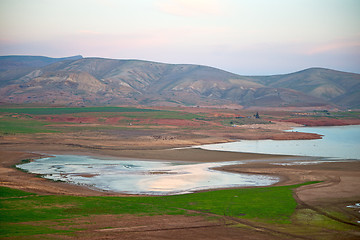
(340,142)
(141,177)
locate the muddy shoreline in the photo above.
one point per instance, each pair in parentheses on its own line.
(12,177)
(345,174)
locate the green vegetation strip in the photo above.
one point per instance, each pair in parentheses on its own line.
(14,125)
(9,192)
(130,112)
(70,110)
(19,210)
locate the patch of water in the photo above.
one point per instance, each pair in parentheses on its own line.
(341,142)
(357,205)
(305,162)
(142,177)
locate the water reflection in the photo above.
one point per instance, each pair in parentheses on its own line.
(142,177)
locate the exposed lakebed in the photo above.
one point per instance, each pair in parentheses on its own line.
(142,177)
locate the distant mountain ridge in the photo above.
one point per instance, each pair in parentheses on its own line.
(100,81)
(32,61)
(15,66)
(340,88)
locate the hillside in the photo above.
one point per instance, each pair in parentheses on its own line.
(15,66)
(98,81)
(337,87)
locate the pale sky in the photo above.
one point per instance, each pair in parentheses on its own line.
(248,37)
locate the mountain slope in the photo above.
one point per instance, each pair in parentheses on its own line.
(16,66)
(337,87)
(98,81)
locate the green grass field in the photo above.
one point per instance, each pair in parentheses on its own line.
(25,126)
(70,110)
(104,111)
(20,210)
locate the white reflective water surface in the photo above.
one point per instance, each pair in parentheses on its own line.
(142,177)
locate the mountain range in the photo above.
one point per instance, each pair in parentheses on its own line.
(82,81)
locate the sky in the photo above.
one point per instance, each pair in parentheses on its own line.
(247,37)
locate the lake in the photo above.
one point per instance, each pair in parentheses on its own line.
(340,142)
(132,176)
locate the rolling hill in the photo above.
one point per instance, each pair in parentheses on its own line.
(339,88)
(99,81)
(13,67)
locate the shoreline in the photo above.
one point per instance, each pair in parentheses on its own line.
(187,166)
(340,177)
(287,174)
(12,177)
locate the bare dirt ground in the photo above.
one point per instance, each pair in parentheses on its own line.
(276,125)
(161,227)
(324,122)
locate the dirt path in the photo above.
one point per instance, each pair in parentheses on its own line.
(198,227)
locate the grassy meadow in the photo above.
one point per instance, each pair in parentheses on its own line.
(26,214)
(70,110)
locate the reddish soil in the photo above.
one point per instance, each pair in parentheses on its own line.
(72,119)
(227,115)
(170,122)
(69,119)
(323,121)
(114,120)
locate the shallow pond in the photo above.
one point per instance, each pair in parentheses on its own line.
(142,177)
